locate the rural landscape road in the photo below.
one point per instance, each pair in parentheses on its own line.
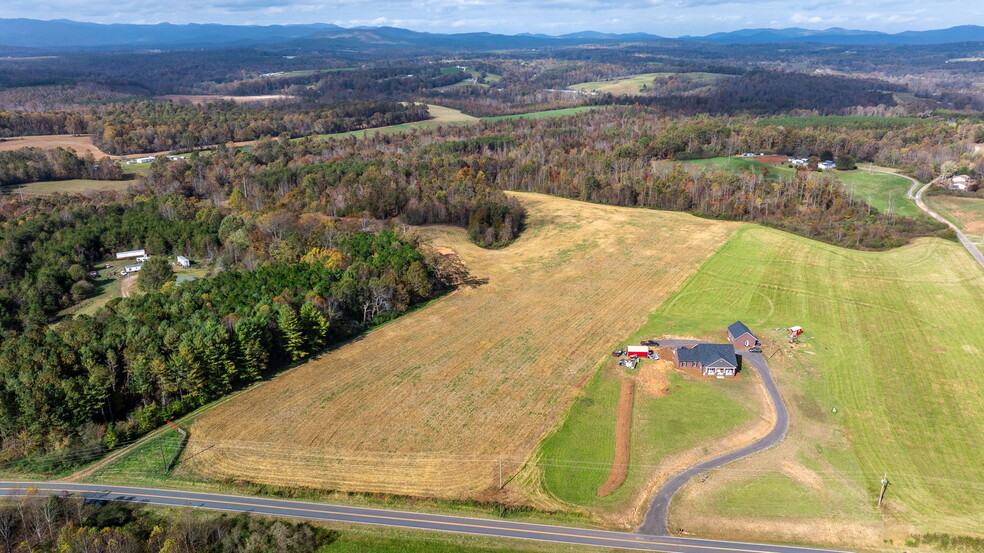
(400,519)
(976,253)
(656,519)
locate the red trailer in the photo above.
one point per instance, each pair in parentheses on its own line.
(638,351)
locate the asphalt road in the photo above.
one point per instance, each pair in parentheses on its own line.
(656,519)
(400,519)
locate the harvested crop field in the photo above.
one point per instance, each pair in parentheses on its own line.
(81,144)
(427,404)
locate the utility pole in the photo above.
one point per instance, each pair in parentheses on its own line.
(884,487)
(500,472)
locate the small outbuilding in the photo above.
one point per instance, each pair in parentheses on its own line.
(130,254)
(183,261)
(133,268)
(711,359)
(740,336)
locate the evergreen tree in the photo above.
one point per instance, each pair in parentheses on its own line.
(154,273)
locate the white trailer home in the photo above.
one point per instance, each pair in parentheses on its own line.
(130,254)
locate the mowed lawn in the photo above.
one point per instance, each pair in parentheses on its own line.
(427,404)
(73,186)
(889,380)
(966,213)
(883,191)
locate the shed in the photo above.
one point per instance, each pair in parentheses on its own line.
(130,254)
(740,336)
(183,261)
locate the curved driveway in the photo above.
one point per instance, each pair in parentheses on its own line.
(401,519)
(976,253)
(656,518)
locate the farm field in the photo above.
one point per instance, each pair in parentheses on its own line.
(73,186)
(885,192)
(81,144)
(483,373)
(874,388)
(547,113)
(441,116)
(633,84)
(966,213)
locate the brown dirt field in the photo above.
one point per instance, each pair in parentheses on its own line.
(81,144)
(771,159)
(486,371)
(623,435)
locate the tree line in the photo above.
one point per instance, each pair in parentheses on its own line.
(70,524)
(36,164)
(151,126)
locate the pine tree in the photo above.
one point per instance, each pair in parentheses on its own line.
(291,333)
(315,327)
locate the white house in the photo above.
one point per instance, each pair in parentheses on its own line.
(183,261)
(959,182)
(132,268)
(131,253)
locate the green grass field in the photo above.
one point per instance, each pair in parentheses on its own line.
(547,113)
(73,186)
(966,213)
(839,121)
(633,84)
(894,345)
(576,459)
(885,192)
(364,539)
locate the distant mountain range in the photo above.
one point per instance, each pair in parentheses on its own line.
(63,34)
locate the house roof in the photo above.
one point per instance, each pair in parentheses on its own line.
(718,355)
(738,328)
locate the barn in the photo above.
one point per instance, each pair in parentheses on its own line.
(740,336)
(130,254)
(711,359)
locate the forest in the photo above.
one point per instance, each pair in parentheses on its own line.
(144,359)
(619,156)
(154,126)
(70,524)
(37,164)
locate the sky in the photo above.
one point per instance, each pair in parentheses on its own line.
(669,18)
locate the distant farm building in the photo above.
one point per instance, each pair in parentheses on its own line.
(131,254)
(740,336)
(133,268)
(183,261)
(711,359)
(961,182)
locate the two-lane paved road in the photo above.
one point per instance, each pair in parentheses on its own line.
(656,519)
(400,519)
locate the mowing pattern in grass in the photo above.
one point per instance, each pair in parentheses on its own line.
(894,345)
(843,122)
(426,405)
